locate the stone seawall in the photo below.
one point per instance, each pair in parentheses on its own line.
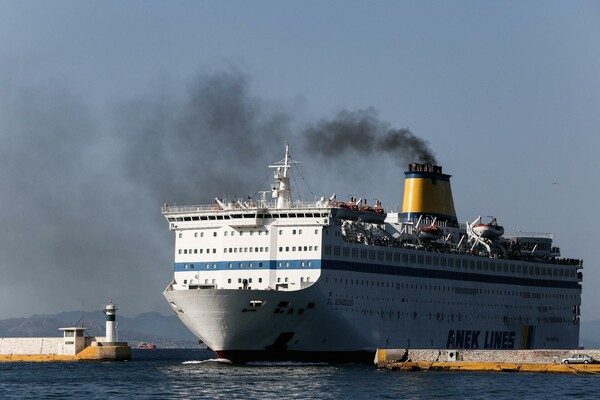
(548,356)
(30,345)
(485,360)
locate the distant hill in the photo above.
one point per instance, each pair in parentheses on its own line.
(151,327)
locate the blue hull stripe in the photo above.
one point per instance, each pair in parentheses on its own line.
(449,275)
(335,265)
(247,265)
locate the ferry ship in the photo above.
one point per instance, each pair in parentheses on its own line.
(279,279)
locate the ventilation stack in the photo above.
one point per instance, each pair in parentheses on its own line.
(427,192)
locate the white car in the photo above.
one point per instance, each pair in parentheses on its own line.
(578,359)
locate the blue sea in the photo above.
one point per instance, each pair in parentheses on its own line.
(197,374)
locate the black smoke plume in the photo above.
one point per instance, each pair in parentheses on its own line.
(362,132)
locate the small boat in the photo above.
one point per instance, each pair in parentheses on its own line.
(432,232)
(489,231)
(146,346)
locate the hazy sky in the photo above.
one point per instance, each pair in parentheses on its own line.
(109,109)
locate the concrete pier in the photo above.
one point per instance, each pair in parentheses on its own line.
(485,360)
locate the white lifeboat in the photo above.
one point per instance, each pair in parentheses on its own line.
(489,231)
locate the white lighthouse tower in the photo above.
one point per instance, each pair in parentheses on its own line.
(111,326)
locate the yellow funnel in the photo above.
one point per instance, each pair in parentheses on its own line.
(427,192)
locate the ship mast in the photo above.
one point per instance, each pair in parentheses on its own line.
(282,190)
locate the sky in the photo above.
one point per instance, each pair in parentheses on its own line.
(109,109)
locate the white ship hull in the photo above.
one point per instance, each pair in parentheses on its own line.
(348,321)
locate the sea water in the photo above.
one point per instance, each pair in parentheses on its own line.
(198,374)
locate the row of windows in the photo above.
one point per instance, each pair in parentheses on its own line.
(220,217)
(226,250)
(259,232)
(440,261)
(306,248)
(458,290)
(302,264)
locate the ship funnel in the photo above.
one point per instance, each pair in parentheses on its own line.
(427,192)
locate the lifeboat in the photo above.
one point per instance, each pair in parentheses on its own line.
(489,231)
(432,232)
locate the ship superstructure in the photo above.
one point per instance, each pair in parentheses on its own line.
(331,280)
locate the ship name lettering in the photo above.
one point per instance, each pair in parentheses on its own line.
(469,339)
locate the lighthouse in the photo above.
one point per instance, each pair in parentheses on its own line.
(110,310)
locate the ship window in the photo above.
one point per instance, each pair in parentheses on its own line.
(239,280)
(281,231)
(179,251)
(300,231)
(225,250)
(192,266)
(225,233)
(280,248)
(185,281)
(279,264)
(512,268)
(428,260)
(287,248)
(309,264)
(266,232)
(214,251)
(228,265)
(286,279)
(240,265)
(184,251)
(249,280)
(260,264)
(293,248)
(214,266)
(180,235)
(241,233)
(287,264)
(187,219)
(259,280)
(195,251)
(195,234)
(316,248)
(293,231)
(266,249)
(316,231)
